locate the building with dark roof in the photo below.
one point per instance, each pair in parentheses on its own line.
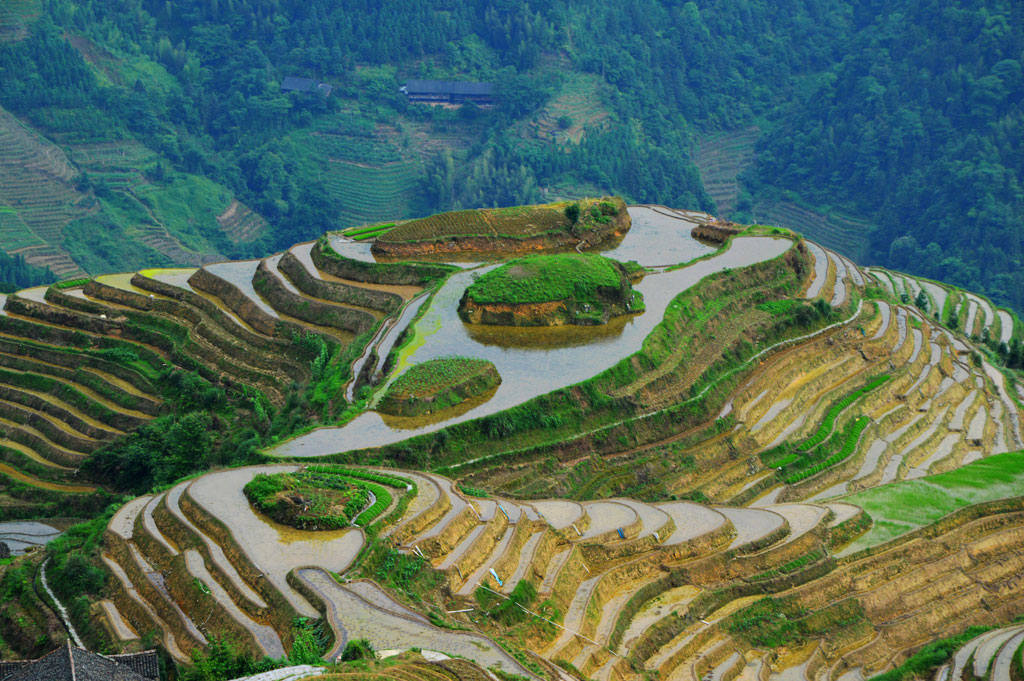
(294,84)
(448,92)
(75,664)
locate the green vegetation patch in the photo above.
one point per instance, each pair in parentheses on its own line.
(439,384)
(904,506)
(515,221)
(790,567)
(778,307)
(828,424)
(544,278)
(924,662)
(775,622)
(592,288)
(317,499)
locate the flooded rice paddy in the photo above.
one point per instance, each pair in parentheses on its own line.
(273,548)
(352,617)
(553,360)
(22,535)
(240,273)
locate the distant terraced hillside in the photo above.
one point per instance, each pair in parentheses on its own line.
(59,206)
(38,197)
(835,230)
(720,158)
(15,18)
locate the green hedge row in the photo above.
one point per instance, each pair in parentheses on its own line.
(790,567)
(849,444)
(828,424)
(72,283)
(382,478)
(383,501)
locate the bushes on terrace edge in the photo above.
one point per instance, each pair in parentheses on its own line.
(925,661)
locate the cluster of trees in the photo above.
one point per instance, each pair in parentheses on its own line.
(919,126)
(15,273)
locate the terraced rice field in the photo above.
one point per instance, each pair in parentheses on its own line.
(241,223)
(580,101)
(662,567)
(259,555)
(721,157)
(15,18)
(58,404)
(37,196)
(20,535)
(842,233)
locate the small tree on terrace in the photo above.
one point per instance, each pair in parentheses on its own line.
(922,300)
(572,212)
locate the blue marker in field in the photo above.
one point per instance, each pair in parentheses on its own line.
(622,535)
(497,578)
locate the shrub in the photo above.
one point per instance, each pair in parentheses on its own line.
(572,213)
(358,649)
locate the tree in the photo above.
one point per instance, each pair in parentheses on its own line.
(922,301)
(358,649)
(572,213)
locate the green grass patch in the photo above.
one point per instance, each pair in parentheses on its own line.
(851,435)
(775,622)
(438,384)
(828,424)
(904,506)
(790,567)
(546,278)
(436,375)
(369,229)
(513,221)
(72,283)
(778,307)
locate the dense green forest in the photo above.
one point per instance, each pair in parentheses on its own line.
(906,114)
(15,273)
(920,125)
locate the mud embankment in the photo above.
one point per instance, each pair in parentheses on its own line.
(395,274)
(715,232)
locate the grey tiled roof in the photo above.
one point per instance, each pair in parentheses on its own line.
(74,664)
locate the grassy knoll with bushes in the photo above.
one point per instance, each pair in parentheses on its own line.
(588,288)
(516,222)
(438,384)
(321,498)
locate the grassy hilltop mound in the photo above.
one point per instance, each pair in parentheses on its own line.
(551,290)
(588,222)
(438,384)
(308,501)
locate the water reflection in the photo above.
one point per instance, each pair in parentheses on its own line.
(534,369)
(547,337)
(657,239)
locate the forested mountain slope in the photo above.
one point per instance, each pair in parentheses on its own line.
(899,124)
